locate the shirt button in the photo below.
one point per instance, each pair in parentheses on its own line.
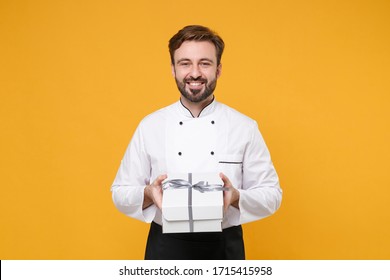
(181,123)
(212,153)
(212,122)
(179,153)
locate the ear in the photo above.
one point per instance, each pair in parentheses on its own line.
(173,70)
(219,70)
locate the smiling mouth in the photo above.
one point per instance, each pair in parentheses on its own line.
(195,87)
(195,84)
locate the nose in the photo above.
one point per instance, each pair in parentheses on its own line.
(195,72)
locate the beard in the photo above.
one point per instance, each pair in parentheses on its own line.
(196,95)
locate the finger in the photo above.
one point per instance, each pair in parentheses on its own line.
(225,180)
(159,180)
(226,201)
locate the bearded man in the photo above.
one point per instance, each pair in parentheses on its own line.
(197,133)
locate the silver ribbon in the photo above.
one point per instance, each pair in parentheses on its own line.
(201,186)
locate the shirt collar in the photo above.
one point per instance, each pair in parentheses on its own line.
(209,109)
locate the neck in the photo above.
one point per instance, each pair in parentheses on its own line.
(196,107)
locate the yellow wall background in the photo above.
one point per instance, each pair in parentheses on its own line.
(76,77)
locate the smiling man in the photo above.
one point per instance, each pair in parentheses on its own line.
(197,134)
(196,71)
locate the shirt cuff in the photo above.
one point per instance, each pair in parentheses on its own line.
(233,216)
(149,213)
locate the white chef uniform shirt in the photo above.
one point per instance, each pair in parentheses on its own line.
(221,139)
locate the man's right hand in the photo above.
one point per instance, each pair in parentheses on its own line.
(153,193)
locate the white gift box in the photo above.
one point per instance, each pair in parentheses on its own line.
(192,208)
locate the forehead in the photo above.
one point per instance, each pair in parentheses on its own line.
(196,50)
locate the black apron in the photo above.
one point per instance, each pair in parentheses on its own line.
(225,245)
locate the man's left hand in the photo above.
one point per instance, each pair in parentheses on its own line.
(231,196)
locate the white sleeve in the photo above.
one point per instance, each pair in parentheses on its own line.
(132,177)
(261,194)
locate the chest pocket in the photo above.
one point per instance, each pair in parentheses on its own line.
(232,165)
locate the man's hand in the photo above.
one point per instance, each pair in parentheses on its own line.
(153,193)
(231,196)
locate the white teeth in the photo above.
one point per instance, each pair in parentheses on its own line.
(195,84)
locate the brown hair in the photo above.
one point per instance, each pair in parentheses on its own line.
(196,33)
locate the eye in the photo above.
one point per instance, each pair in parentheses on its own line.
(205,64)
(184,63)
